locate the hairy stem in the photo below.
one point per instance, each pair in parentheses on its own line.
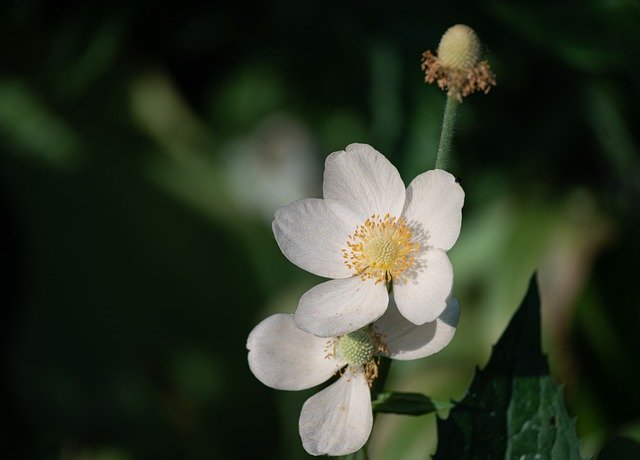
(446,136)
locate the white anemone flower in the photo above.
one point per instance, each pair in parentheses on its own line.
(338,419)
(370,234)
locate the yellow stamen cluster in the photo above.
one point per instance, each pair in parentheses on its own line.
(381,248)
(457,67)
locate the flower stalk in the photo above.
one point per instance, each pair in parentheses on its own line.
(456,68)
(446,136)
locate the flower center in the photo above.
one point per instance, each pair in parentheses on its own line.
(381,248)
(357,348)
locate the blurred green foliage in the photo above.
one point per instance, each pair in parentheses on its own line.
(133,272)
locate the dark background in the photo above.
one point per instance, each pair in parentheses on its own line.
(144,147)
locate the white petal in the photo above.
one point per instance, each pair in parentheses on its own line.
(434,208)
(284,357)
(338,420)
(421,294)
(337,307)
(312,236)
(364,181)
(404,340)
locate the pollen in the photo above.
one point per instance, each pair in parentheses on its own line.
(381,248)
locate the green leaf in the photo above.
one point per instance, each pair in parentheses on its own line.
(513,409)
(407,404)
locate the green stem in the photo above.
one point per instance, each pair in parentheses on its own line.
(446,136)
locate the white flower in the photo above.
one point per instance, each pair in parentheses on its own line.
(338,419)
(369,232)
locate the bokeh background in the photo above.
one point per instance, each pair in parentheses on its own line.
(144,147)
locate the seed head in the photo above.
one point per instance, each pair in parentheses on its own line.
(457,67)
(459,48)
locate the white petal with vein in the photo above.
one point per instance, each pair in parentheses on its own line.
(405,340)
(284,357)
(338,420)
(312,236)
(434,208)
(364,181)
(421,294)
(337,307)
